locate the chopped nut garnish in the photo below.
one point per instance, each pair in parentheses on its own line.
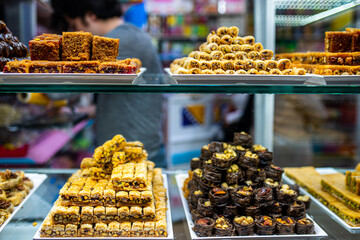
(198,192)
(259,148)
(198,172)
(234,168)
(271,182)
(303,198)
(243,220)
(203,221)
(251,155)
(218,191)
(227,154)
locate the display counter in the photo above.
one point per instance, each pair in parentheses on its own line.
(29,218)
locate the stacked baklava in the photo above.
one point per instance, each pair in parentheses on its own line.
(234,189)
(341,56)
(14,187)
(74,52)
(117,193)
(227,53)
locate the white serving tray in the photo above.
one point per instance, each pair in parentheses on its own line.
(68,78)
(37,179)
(321,205)
(168,221)
(247,79)
(319,232)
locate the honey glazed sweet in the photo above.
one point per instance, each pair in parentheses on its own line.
(225,52)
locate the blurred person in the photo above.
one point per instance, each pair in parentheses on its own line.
(296,117)
(136,116)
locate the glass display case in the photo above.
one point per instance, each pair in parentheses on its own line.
(306,121)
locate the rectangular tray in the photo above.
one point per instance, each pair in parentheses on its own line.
(321,205)
(168,220)
(320,233)
(37,179)
(342,80)
(68,78)
(241,79)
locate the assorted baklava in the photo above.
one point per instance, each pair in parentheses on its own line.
(117,193)
(227,53)
(234,189)
(14,187)
(329,189)
(341,56)
(71,52)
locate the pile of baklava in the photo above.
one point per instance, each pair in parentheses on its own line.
(227,53)
(117,193)
(14,187)
(234,189)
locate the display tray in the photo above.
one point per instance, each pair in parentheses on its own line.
(168,221)
(180,178)
(342,80)
(321,205)
(37,179)
(249,79)
(68,78)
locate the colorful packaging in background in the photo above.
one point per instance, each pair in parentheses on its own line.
(166,7)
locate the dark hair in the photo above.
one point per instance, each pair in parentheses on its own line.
(102,9)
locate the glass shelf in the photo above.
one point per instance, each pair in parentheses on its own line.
(37,207)
(261,89)
(162,83)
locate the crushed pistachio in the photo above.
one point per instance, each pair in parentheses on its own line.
(251,155)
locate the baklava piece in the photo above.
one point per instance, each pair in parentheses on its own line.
(45,47)
(46,67)
(76,46)
(86,230)
(244,225)
(104,48)
(117,68)
(338,41)
(81,67)
(17,66)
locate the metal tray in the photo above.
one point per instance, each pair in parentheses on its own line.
(68,78)
(321,205)
(320,233)
(37,179)
(342,80)
(236,79)
(168,221)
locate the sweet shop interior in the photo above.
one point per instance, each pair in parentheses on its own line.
(179,119)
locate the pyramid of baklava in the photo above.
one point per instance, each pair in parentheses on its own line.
(117,193)
(227,53)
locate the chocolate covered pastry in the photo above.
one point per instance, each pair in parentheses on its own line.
(223,227)
(219,197)
(241,196)
(244,225)
(285,226)
(305,226)
(274,172)
(265,225)
(204,227)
